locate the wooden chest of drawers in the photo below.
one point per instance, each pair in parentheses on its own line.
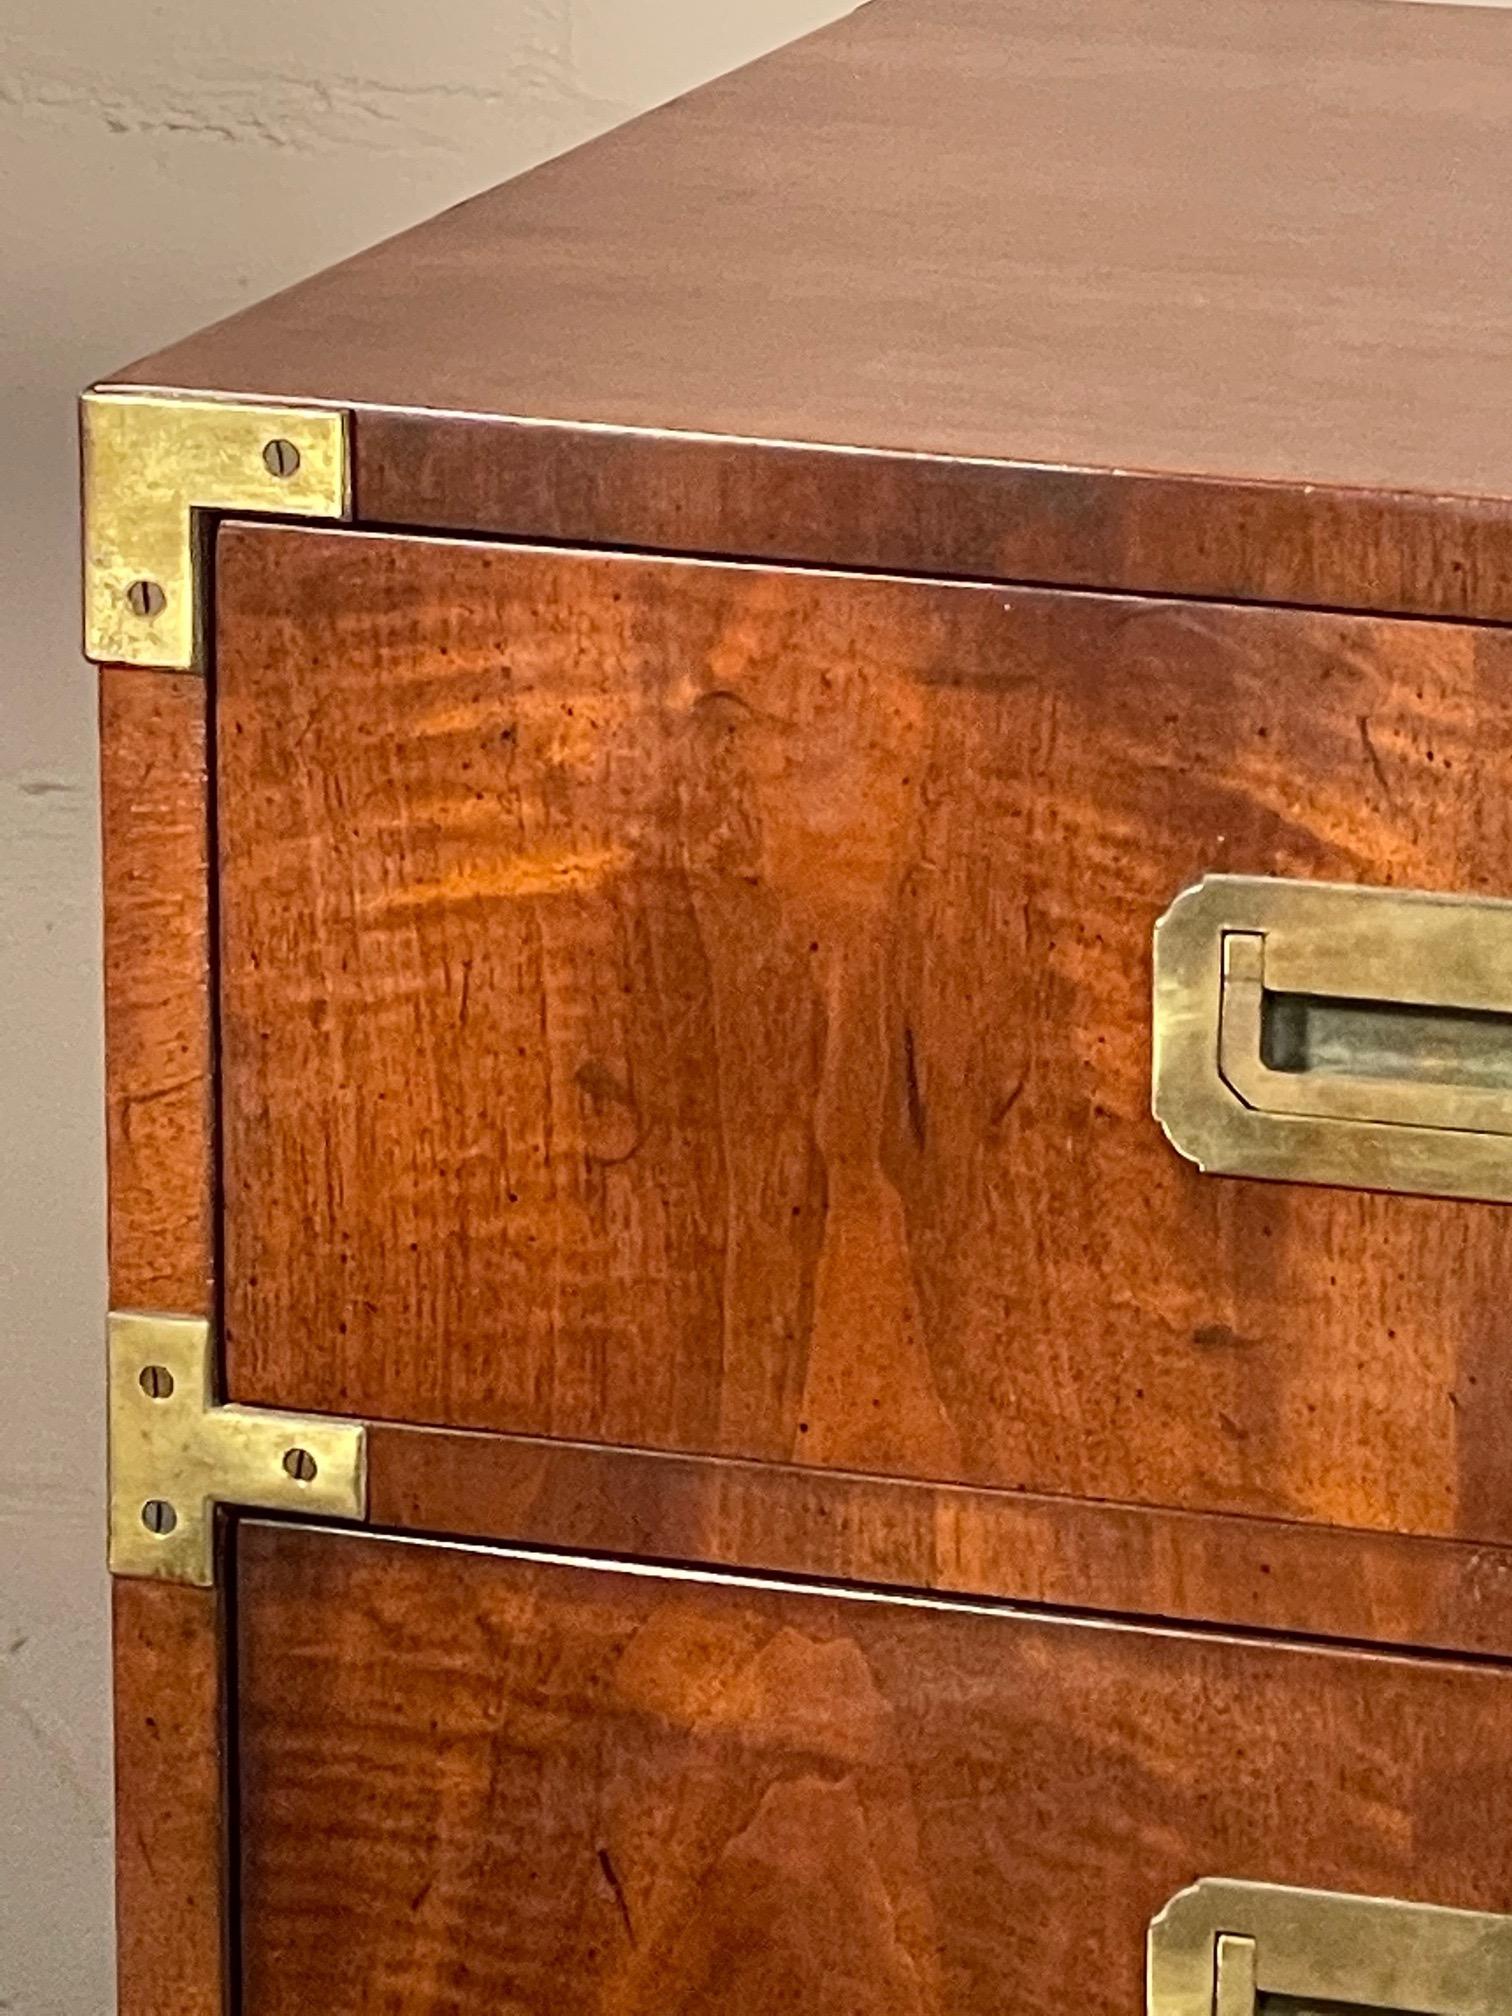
(809,828)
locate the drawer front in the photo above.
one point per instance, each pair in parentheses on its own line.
(474,1781)
(709,1008)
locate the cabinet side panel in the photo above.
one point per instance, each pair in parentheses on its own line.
(171,1876)
(157,1001)
(168,1641)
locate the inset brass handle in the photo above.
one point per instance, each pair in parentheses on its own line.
(1223,1948)
(1401,1063)
(1319,1032)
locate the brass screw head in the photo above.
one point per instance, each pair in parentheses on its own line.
(156,1381)
(159,1517)
(300,1465)
(146,598)
(281,458)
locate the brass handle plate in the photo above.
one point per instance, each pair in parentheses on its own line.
(1224,1948)
(1322,1033)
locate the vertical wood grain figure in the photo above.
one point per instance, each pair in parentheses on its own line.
(708,1008)
(159,1094)
(169,1642)
(173,1878)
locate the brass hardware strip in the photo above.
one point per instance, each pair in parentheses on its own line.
(176,1453)
(1220,1948)
(152,464)
(1339,1093)
(1234,1976)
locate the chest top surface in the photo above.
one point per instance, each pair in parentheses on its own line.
(1240,238)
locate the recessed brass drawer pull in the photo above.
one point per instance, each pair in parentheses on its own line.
(1317,1032)
(1259,1949)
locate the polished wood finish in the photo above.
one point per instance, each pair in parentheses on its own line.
(708,1009)
(1258,240)
(171,1847)
(172,1898)
(159,1096)
(976,518)
(824,1525)
(477,1783)
(680,1029)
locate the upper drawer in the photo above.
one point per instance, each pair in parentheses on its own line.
(709,1007)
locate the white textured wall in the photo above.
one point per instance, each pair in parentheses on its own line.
(162,162)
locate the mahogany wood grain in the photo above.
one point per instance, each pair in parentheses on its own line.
(974,517)
(1262,240)
(707,1008)
(172,1879)
(477,1783)
(168,1642)
(157,989)
(1128,1560)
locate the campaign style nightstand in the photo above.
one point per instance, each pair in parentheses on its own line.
(808,859)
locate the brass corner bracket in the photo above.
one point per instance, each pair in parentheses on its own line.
(153,462)
(176,1453)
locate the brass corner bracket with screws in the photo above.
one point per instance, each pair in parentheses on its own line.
(153,463)
(176,1453)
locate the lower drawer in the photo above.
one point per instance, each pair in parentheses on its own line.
(476,1781)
